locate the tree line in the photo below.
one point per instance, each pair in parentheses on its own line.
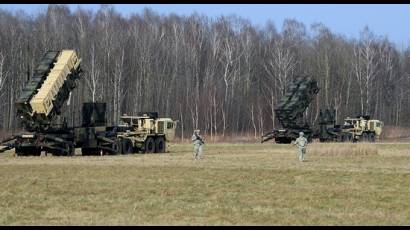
(221,75)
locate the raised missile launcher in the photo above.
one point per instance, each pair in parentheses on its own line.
(40,74)
(42,99)
(48,89)
(289,111)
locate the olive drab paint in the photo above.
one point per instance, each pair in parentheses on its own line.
(289,112)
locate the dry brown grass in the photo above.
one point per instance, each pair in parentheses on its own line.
(235,184)
(395,133)
(3,135)
(229,138)
(343,149)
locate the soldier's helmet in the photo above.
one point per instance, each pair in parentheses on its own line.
(301,134)
(196,131)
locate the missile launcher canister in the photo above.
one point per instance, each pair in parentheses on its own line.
(295,102)
(48,89)
(289,111)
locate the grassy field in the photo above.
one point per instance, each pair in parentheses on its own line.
(235,184)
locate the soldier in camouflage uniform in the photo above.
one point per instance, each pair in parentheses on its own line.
(198,143)
(301,143)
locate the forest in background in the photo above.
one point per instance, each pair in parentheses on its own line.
(221,75)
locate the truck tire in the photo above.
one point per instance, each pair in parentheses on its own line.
(36,151)
(160,145)
(372,137)
(28,151)
(116,146)
(71,151)
(85,152)
(89,151)
(365,137)
(149,145)
(127,147)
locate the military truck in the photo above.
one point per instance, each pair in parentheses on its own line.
(42,100)
(361,128)
(145,133)
(289,111)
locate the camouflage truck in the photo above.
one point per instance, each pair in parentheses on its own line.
(290,109)
(289,113)
(42,100)
(361,128)
(146,133)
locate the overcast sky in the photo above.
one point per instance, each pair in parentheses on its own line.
(347,19)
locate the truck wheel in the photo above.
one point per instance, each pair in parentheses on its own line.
(116,146)
(71,151)
(149,145)
(85,151)
(365,137)
(37,152)
(90,151)
(127,146)
(25,151)
(160,145)
(17,151)
(372,137)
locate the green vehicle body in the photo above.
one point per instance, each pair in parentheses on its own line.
(290,109)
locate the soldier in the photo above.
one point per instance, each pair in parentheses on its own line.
(198,143)
(301,143)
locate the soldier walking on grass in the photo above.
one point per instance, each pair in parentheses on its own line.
(301,143)
(198,143)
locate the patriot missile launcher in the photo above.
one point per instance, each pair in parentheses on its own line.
(50,86)
(289,111)
(41,100)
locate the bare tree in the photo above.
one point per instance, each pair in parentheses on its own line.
(221,75)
